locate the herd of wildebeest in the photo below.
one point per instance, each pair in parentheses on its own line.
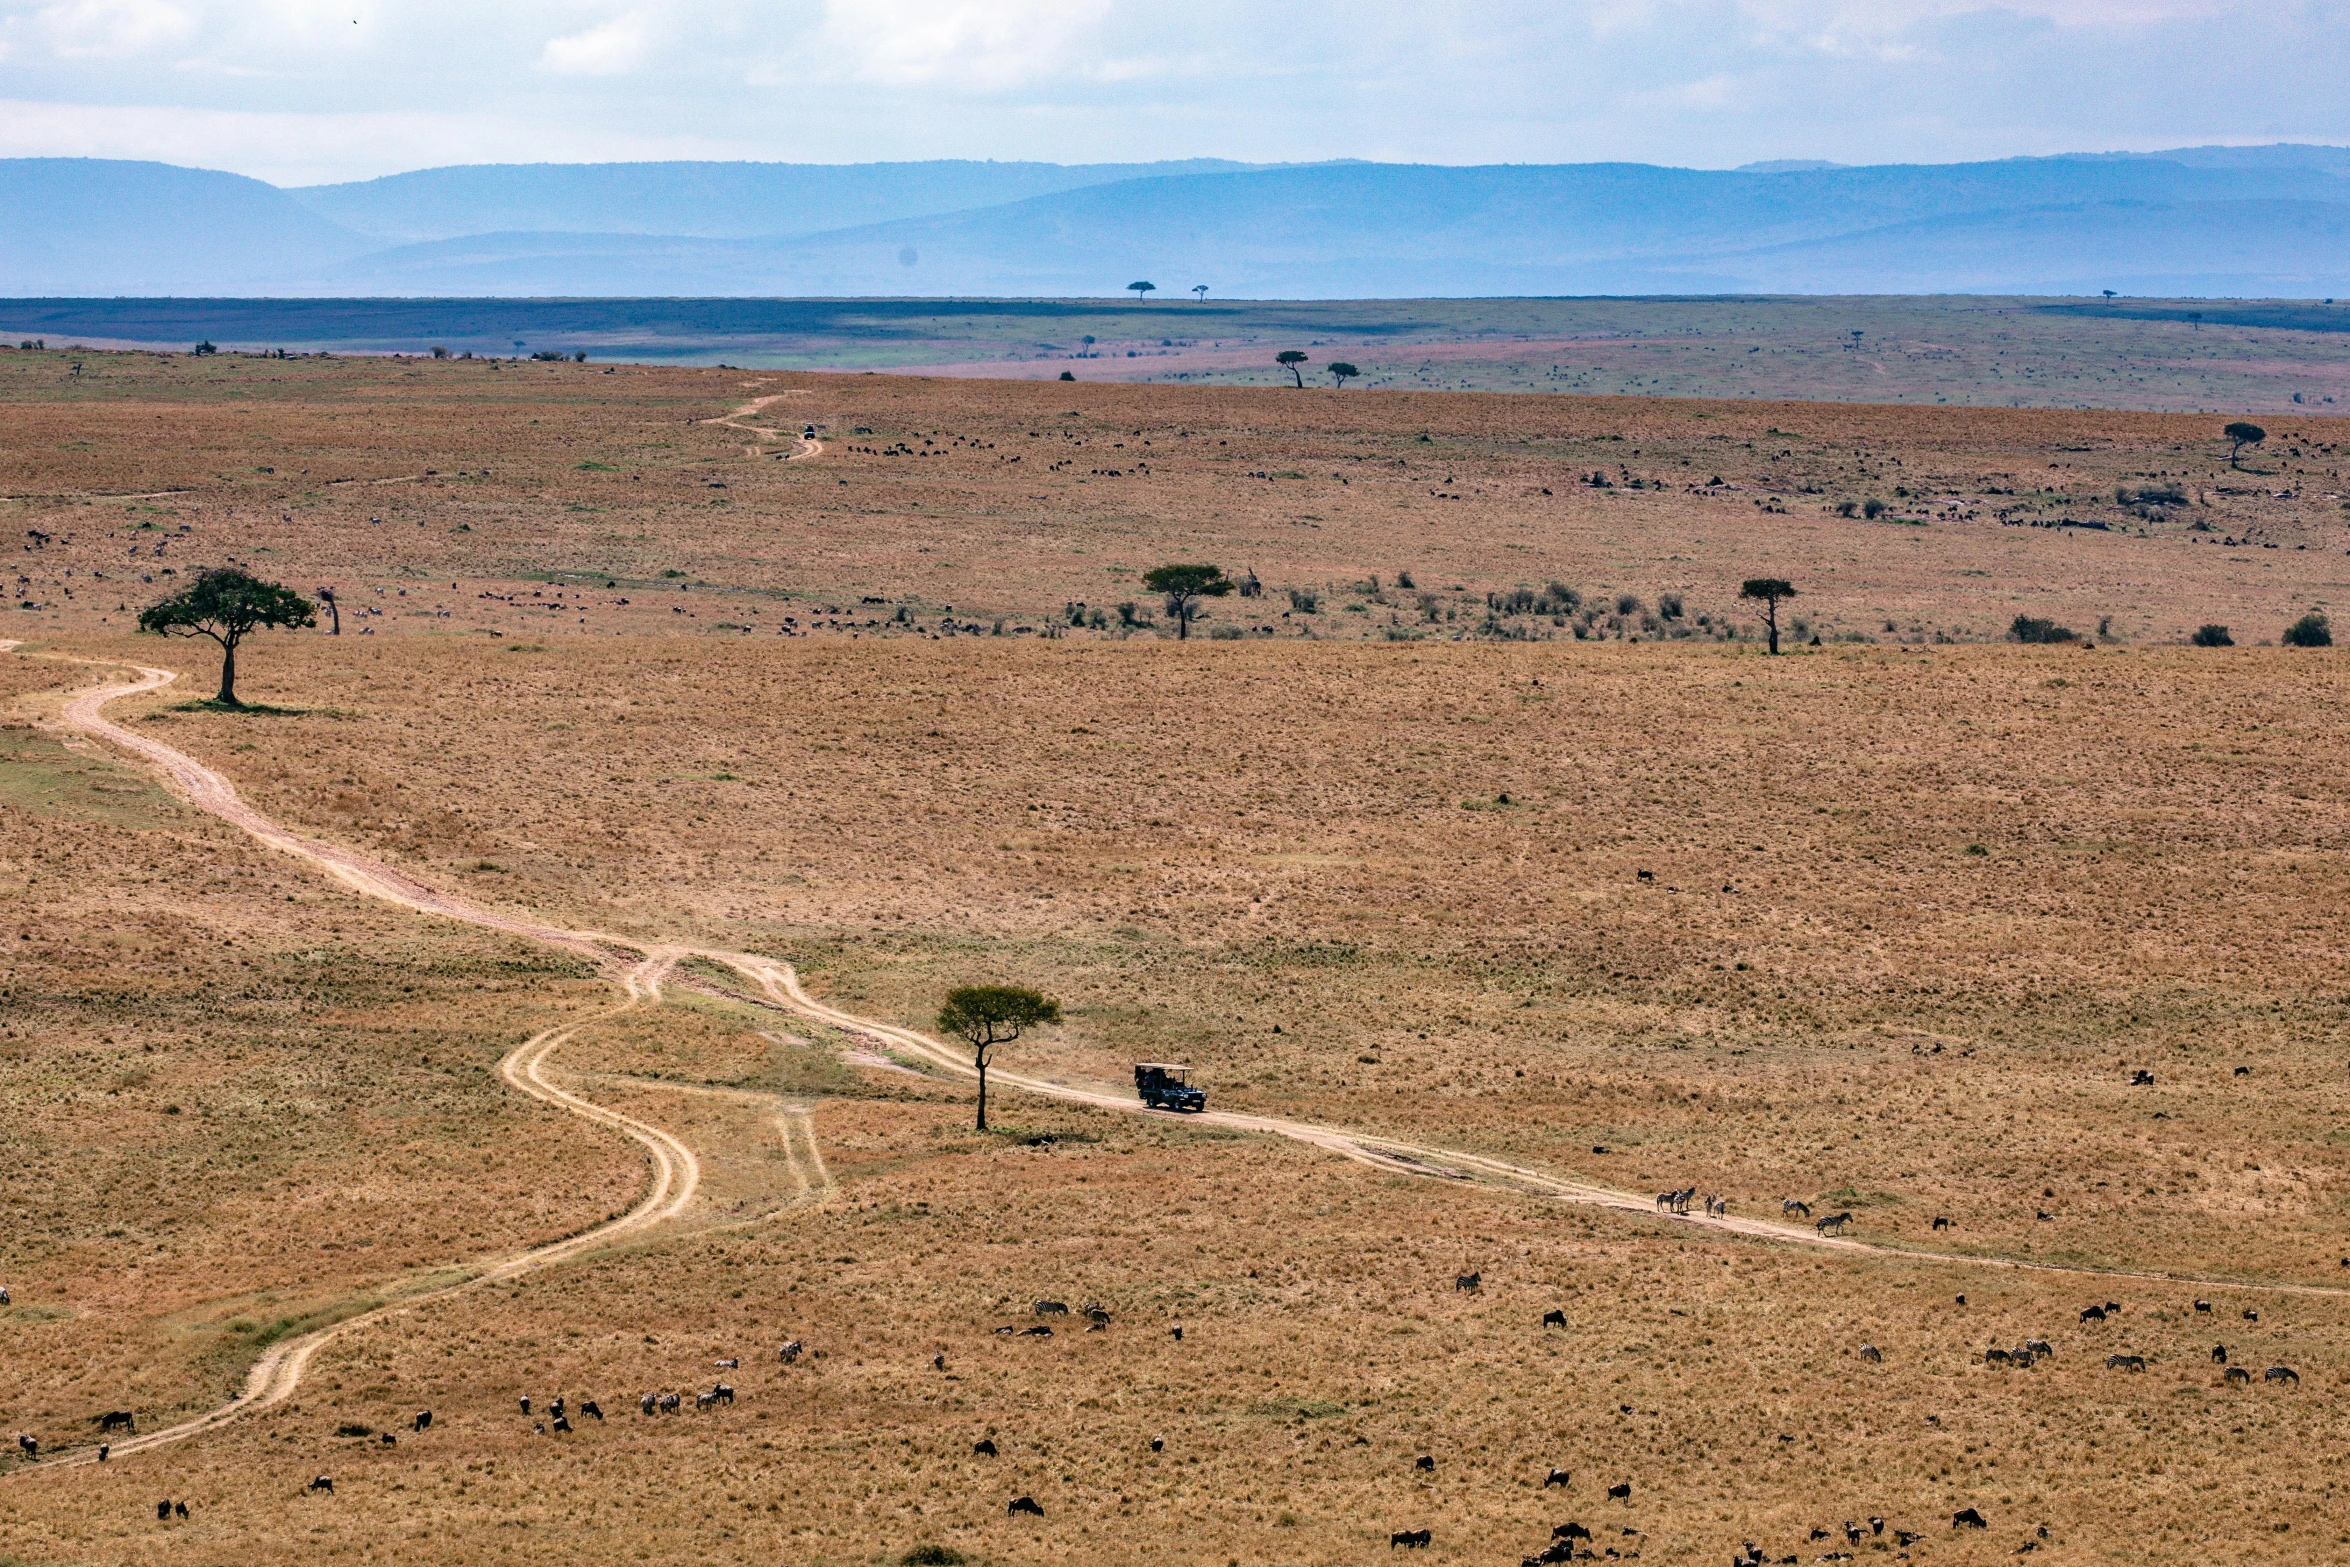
(1570,1542)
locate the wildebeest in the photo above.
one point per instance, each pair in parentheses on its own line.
(2125,1362)
(1995,1356)
(648,1403)
(1967,1518)
(117,1419)
(984,1445)
(587,1407)
(1570,1531)
(670,1403)
(163,1510)
(1158,1444)
(2237,1374)
(1941,1223)
(1554,1318)
(2041,1347)
(525,1405)
(1556,1477)
(1876,1524)
(1833,1222)
(2093,1314)
(2113,1308)
(1052,1308)
(103,1450)
(29,1446)
(1426,1462)
(323,1483)
(730,1363)
(1098,1316)
(722,1393)
(1023,1504)
(424,1419)
(1873,1355)
(3,1294)
(789,1353)
(179,1509)
(2251,1316)
(1468,1281)
(2203,1305)
(1039,1331)
(1620,1493)
(2219,1354)
(2281,1374)
(388,1439)
(2141,1078)
(562,1423)
(1791,1205)
(1409,1539)
(556,1406)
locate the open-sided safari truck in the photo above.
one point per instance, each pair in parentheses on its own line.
(1166,1087)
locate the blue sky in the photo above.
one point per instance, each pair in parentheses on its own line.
(305,90)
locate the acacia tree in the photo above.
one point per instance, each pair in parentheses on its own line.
(1185,586)
(1141,288)
(227,605)
(1341,372)
(1200,289)
(985,1016)
(1770,590)
(1289,359)
(2244,433)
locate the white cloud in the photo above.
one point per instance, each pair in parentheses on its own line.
(612,48)
(112,29)
(971,45)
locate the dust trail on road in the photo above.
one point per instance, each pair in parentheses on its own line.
(675,1171)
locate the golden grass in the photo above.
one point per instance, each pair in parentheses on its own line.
(1419,862)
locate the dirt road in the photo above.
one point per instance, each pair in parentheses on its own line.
(675,1170)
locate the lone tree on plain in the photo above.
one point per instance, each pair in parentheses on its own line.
(2244,433)
(1185,586)
(985,1016)
(1770,590)
(1341,372)
(1141,288)
(227,605)
(1289,359)
(1200,289)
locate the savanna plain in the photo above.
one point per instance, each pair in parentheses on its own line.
(1478,824)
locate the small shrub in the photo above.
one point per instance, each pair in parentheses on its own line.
(2149,495)
(1872,509)
(1846,508)
(931,1554)
(1669,605)
(2028,628)
(2311,630)
(1628,604)
(1305,602)
(2212,636)
(1068,375)
(1403,579)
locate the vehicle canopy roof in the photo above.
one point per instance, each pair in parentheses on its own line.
(1159,1066)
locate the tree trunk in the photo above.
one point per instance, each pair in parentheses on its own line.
(1771,619)
(228,676)
(981,1062)
(1183,625)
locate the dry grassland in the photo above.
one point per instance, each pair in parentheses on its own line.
(1915,912)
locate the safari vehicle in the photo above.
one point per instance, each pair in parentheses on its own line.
(1166,1087)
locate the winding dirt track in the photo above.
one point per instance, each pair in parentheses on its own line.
(738,420)
(676,1173)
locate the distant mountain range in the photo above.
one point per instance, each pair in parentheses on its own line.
(2212,222)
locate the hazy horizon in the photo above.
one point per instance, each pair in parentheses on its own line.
(297,92)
